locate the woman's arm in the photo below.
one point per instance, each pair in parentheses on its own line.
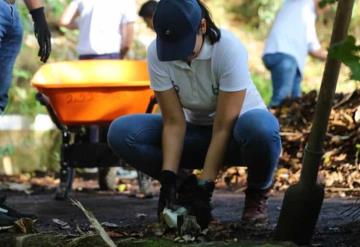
(227,111)
(174,127)
(33,4)
(314,47)
(320,54)
(127,37)
(68,18)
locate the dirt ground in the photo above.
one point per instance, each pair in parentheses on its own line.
(135,216)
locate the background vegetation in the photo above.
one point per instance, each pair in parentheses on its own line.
(248,19)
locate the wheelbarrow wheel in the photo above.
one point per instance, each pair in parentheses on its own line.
(108,178)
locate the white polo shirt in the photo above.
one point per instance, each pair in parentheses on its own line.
(294,31)
(222,66)
(99,24)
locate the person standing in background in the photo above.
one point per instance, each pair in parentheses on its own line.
(147,11)
(106,28)
(11,33)
(292,37)
(106,31)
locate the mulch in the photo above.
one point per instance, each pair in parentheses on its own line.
(340,168)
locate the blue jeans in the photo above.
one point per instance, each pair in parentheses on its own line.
(255,142)
(10,42)
(285,76)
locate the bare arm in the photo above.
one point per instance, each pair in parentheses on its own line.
(68,18)
(174,127)
(319,54)
(227,111)
(33,4)
(127,36)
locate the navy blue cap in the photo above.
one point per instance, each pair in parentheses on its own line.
(176,23)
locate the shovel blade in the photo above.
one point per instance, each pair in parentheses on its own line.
(299,213)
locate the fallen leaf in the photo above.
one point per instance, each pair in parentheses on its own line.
(25,225)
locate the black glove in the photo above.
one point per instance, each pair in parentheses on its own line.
(167,197)
(42,33)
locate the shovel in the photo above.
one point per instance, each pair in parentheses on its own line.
(302,202)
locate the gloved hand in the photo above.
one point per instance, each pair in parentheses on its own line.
(42,33)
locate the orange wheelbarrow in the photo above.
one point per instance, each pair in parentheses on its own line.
(80,94)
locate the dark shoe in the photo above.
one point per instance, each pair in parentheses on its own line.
(12,213)
(6,222)
(255,209)
(197,199)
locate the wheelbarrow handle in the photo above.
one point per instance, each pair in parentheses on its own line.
(151,104)
(46,102)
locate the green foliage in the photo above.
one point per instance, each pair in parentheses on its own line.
(263,85)
(22,100)
(255,13)
(55,8)
(349,53)
(7,150)
(267,10)
(21,74)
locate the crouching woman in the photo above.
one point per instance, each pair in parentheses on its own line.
(212,114)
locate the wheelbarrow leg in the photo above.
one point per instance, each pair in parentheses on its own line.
(66,171)
(66,179)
